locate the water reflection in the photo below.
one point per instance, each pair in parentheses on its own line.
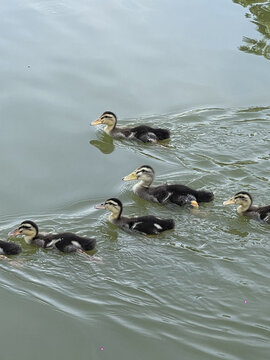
(259,12)
(104,144)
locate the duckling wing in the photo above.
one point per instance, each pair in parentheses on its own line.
(69,242)
(150,225)
(44,240)
(148,134)
(160,194)
(120,132)
(171,193)
(264,213)
(177,194)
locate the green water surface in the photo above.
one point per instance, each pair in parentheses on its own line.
(198,68)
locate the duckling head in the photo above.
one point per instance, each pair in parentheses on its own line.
(144,173)
(108,118)
(243,199)
(114,206)
(28,229)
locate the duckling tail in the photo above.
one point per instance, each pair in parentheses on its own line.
(162,134)
(9,248)
(204,196)
(87,243)
(167,224)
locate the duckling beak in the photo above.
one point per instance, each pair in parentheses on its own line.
(100,206)
(194,204)
(96,122)
(229,202)
(132,176)
(14,232)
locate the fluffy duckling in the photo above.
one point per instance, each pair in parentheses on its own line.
(65,242)
(164,194)
(9,248)
(149,225)
(244,200)
(143,133)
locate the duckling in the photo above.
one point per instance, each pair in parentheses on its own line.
(149,225)
(65,242)
(164,194)
(9,248)
(143,133)
(244,200)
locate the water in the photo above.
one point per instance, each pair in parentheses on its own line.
(198,292)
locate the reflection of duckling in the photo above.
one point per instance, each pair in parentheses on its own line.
(143,133)
(164,194)
(9,248)
(149,225)
(104,143)
(66,242)
(244,200)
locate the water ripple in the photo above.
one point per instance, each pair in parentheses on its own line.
(189,283)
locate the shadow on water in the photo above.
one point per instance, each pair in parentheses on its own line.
(259,13)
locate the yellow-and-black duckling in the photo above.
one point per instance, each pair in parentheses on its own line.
(143,133)
(65,242)
(246,207)
(163,194)
(9,248)
(149,225)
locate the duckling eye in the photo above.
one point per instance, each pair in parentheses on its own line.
(25,228)
(110,203)
(21,229)
(241,197)
(140,172)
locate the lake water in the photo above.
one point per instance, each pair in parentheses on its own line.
(198,68)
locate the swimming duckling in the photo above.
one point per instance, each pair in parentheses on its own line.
(164,194)
(143,133)
(149,225)
(244,200)
(9,248)
(65,242)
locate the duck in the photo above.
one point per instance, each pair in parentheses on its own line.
(9,248)
(142,133)
(165,194)
(65,242)
(147,225)
(246,207)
